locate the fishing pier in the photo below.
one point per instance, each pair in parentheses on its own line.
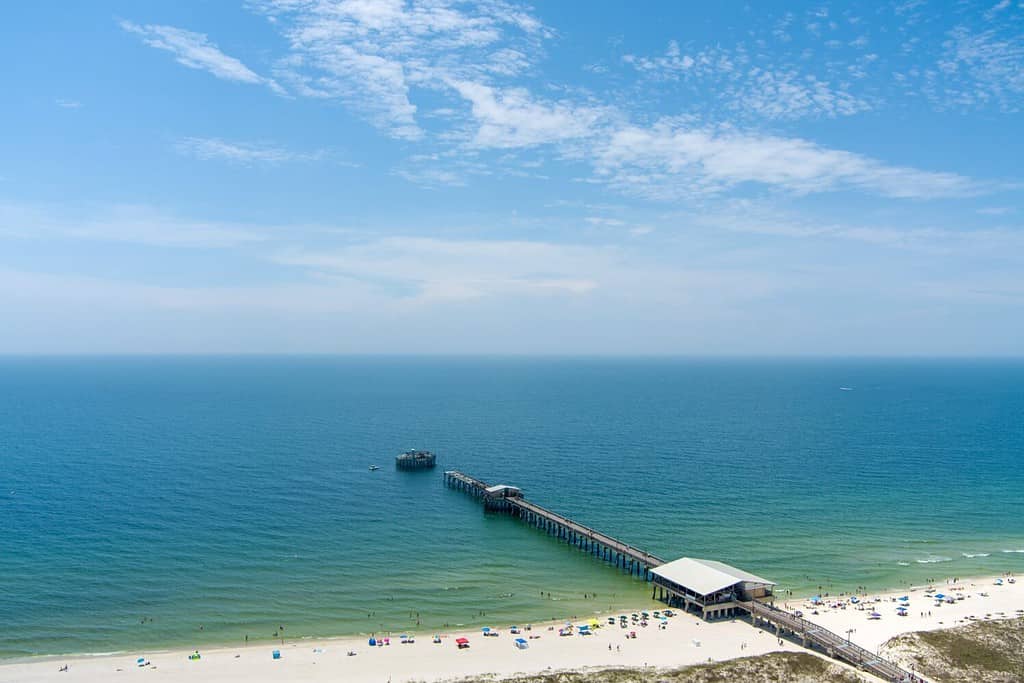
(510,500)
(708,588)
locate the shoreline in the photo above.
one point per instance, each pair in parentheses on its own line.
(471,627)
(684,640)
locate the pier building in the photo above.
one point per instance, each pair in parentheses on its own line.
(415,460)
(707,587)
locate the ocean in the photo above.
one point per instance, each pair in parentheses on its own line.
(157,502)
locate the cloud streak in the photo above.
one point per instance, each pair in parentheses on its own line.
(131,224)
(247,153)
(514,118)
(671,162)
(196,51)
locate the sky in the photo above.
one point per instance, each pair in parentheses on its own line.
(442,177)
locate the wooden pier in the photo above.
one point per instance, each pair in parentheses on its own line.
(509,499)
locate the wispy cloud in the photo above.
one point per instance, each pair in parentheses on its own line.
(757,218)
(242,152)
(123,223)
(995,210)
(979,67)
(433,269)
(195,51)
(731,77)
(514,118)
(370,54)
(667,161)
(790,95)
(68,104)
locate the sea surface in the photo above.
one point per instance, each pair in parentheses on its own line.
(149,503)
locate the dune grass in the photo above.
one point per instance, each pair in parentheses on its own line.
(983,652)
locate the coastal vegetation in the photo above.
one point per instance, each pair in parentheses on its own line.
(792,667)
(986,651)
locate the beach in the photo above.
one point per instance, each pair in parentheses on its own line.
(684,640)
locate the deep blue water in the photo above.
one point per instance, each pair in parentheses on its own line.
(143,497)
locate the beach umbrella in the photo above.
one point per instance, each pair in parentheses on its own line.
(939,596)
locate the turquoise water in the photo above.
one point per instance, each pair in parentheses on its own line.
(143,497)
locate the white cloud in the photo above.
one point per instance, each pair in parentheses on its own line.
(122,223)
(760,218)
(765,91)
(675,65)
(604,221)
(241,152)
(671,162)
(789,95)
(979,68)
(195,51)
(993,11)
(68,104)
(433,269)
(514,118)
(371,54)
(431,177)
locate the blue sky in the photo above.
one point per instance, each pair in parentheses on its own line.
(444,177)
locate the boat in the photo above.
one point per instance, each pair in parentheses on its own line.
(374,468)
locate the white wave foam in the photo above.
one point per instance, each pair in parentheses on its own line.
(975,554)
(933,559)
(903,564)
(1021,550)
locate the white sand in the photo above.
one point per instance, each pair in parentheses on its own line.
(426,661)
(924,613)
(423,660)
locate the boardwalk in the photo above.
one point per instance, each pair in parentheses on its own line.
(830,643)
